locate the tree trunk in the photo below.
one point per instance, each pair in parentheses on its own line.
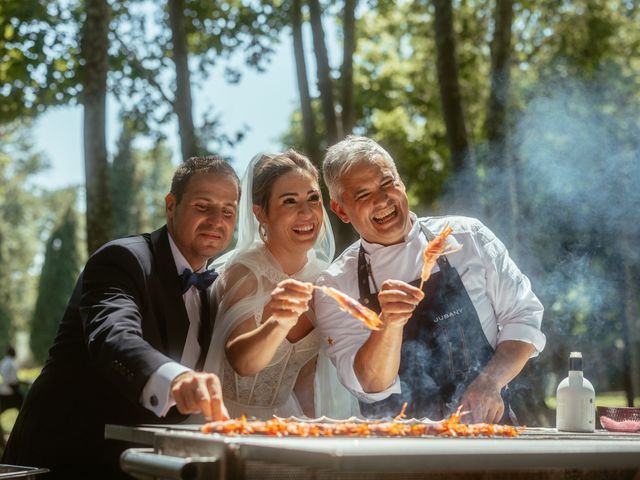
(308,120)
(94,48)
(496,122)
(462,155)
(349,27)
(325,85)
(343,233)
(123,184)
(182,103)
(502,179)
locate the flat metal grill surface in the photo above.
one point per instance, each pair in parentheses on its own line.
(537,454)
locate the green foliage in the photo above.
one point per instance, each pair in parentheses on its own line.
(574,122)
(21,221)
(140,180)
(142,74)
(154,172)
(38,52)
(122,180)
(59,273)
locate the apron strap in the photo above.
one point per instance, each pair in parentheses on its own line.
(364,267)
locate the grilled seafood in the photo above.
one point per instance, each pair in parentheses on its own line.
(434,249)
(353,307)
(280,427)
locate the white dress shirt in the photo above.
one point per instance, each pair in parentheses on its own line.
(501,294)
(156,392)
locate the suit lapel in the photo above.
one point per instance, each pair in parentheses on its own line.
(170,296)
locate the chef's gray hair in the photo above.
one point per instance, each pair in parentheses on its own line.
(345,154)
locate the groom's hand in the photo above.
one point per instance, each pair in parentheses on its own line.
(196,392)
(398,300)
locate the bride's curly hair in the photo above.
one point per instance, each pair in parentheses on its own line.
(271,167)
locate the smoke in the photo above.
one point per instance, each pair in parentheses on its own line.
(578,164)
(573,228)
(577,145)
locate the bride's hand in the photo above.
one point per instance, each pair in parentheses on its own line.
(289,300)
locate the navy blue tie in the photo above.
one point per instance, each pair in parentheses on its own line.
(199,280)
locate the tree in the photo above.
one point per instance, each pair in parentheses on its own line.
(501,178)
(182,102)
(194,36)
(348,49)
(123,184)
(59,273)
(154,172)
(38,52)
(24,211)
(95,57)
(310,136)
(325,83)
(460,146)
(140,178)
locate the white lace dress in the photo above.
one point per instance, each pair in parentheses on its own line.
(241,292)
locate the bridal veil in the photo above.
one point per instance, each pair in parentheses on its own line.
(245,298)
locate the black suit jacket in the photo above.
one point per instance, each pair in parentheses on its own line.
(125,319)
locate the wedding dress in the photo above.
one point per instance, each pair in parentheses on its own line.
(249,273)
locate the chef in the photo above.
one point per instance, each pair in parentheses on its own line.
(458,341)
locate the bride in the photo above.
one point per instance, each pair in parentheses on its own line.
(264,345)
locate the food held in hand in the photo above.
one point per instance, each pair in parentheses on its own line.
(353,307)
(434,249)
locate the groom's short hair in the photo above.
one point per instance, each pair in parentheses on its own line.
(345,154)
(197,165)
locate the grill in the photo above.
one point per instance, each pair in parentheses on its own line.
(184,452)
(15,471)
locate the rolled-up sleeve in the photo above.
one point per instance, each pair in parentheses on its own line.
(518,311)
(341,338)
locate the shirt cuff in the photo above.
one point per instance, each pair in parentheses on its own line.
(350,380)
(156,394)
(523,333)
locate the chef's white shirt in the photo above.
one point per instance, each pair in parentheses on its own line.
(507,307)
(156,392)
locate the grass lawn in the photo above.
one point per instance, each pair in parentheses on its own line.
(7,419)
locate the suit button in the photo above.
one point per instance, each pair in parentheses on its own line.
(153,401)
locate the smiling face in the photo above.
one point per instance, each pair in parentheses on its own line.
(374,200)
(202,223)
(293,215)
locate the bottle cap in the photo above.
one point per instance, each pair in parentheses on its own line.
(575,361)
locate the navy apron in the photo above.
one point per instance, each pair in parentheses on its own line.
(443,347)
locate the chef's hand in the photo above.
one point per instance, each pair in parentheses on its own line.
(398,300)
(196,392)
(289,300)
(483,399)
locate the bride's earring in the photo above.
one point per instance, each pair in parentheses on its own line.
(262,230)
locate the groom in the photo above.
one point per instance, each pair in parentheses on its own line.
(131,340)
